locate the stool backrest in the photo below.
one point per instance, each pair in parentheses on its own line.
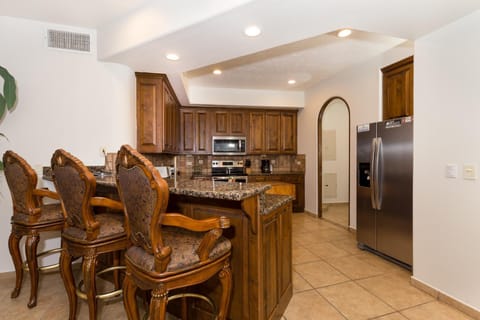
(76,186)
(144,194)
(21,180)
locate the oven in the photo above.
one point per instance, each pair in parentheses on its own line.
(239,179)
(229,171)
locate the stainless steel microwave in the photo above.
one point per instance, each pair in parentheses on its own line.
(229,146)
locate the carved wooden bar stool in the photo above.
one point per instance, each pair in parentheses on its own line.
(169,250)
(86,234)
(30,218)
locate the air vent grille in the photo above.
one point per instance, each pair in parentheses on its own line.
(69,40)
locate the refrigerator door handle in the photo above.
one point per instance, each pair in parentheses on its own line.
(379,174)
(373,173)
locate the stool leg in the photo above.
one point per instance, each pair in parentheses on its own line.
(225,276)
(116,273)
(129,298)
(158,304)
(14,248)
(31,253)
(68,281)
(88,268)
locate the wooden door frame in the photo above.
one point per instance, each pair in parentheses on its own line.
(320,155)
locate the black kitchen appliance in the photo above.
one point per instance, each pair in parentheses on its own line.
(266,168)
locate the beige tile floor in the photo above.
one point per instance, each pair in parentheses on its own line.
(336,213)
(332,279)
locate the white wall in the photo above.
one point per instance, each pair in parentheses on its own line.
(360,87)
(65,100)
(446,212)
(336,118)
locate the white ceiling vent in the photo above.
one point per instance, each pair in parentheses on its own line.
(66,40)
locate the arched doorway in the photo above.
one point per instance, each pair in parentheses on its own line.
(334,161)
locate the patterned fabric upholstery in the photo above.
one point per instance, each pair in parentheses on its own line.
(19,184)
(72,190)
(111,225)
(50,213)
(184,244)
(139,200)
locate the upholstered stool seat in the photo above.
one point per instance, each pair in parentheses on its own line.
(184,255)
(111,228)
(51,214)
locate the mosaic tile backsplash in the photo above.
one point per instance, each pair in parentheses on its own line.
(189,165)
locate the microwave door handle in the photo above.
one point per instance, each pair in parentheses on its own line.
(239,144)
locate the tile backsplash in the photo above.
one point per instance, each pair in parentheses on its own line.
(201,164)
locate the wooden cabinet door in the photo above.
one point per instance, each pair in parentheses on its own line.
(288,132)
(157,114)
(170,121)
(256,139)
(271,261)
(220,123)
(238,123)
(149,114)
(203,138)
(187,130)
(229,123)
(285,249)
(398,89)
(194,133)
(272,132)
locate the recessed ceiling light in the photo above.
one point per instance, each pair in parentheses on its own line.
(344,33)
(217,71)
(172,56)
(291,81)
(252,31)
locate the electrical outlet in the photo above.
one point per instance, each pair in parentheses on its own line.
(469,171)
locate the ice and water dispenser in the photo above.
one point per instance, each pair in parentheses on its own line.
(364,174)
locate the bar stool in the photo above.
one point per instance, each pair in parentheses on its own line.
(86,234)
(169,250)
(30,218)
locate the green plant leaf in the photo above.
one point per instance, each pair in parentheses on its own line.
(9,88)
(2,105)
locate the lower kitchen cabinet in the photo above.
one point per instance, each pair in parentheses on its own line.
(261,258)
(297,179)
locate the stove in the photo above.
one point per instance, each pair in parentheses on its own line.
(228,170)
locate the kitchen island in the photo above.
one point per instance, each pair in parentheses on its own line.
(261,237)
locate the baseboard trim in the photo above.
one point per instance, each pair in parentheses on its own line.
(440,296)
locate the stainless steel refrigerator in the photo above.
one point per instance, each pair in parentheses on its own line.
(384,188)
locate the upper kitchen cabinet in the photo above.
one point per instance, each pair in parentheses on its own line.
(398,89)
(157,114)
(229,122)
(256,137)
(273,132)
(195,136)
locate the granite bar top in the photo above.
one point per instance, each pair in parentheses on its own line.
(275,201)
(218,190)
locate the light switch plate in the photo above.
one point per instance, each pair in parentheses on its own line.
(451,171)
(469,171)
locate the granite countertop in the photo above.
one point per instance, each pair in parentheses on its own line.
(211,189)
(218,190)
(275,201)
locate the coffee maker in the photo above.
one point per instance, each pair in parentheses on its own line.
(266,168)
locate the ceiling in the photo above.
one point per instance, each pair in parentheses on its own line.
(298,39)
